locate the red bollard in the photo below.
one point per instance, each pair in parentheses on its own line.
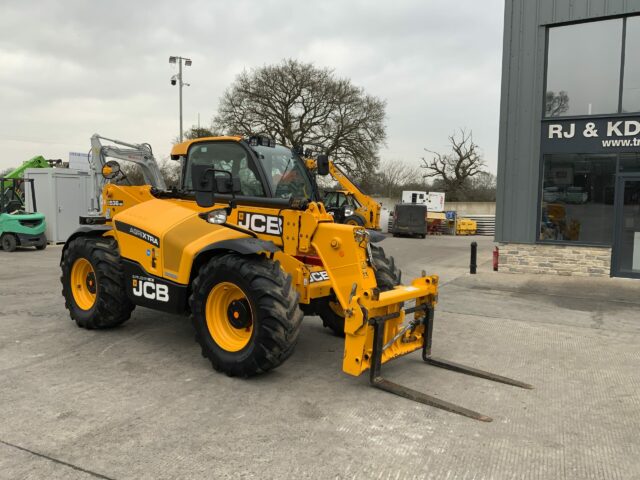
(496,259)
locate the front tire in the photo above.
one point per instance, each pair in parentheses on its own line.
(9,242)
(245,314)
(93,283)
(387,277)
(42,244)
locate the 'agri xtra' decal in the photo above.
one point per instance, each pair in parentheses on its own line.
(136,232)
(259,223)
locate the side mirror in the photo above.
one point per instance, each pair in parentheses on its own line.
(322,165)
(208,181)
(110,170)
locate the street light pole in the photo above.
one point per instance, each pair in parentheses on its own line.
(178,79)
(180,95)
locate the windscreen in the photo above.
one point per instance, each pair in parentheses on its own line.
(288,175)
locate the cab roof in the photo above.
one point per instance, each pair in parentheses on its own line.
(181,149)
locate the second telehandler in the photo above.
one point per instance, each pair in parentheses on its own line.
(349,204)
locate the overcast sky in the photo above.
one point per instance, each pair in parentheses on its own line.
(73,68)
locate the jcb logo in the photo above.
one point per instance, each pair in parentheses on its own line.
(256,222)
(318,276)
(149,289)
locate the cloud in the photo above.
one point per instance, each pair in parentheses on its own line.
(74,68)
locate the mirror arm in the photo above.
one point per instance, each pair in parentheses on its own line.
(232,204)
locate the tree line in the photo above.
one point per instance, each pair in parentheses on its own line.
(299,104)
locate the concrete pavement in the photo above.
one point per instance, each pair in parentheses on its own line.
(140,402)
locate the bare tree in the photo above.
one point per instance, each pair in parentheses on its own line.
(455,169)
(170,170)
(392,176)
(556,104)
(300,104)
(197,132)
(482,188)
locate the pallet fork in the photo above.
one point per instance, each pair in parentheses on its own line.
(378,381)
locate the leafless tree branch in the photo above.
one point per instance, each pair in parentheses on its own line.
(299,104)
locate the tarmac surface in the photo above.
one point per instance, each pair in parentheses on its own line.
(139,401)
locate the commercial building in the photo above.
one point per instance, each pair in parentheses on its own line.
(569,152)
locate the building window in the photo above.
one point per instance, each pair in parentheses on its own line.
(630,162)
(577,199)
(631,79)
(583,69)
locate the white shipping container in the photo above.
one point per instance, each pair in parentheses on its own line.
(62,195)
(79,161)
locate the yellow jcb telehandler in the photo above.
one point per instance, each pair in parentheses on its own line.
(244,247)
(348,205)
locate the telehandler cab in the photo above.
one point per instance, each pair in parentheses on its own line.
(244,247)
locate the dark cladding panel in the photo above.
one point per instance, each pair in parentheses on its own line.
(619,7)
(547,11)
(519,136)
(579,10)
(562,11)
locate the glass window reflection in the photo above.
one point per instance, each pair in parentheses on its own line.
(577,199)
(583,69)
(631,81)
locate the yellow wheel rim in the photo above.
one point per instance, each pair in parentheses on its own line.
(83,283)
(352,222)
(337,308)
(229,317)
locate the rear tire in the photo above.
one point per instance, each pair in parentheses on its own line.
(387,277)
(42,245)
(265,330)
(356,220)
(101,300)
(9,242)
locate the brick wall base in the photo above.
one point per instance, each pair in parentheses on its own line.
(555,259)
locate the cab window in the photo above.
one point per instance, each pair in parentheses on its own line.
(229,157)
(286,171)
(330,199)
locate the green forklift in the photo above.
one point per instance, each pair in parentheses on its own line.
(19,228)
